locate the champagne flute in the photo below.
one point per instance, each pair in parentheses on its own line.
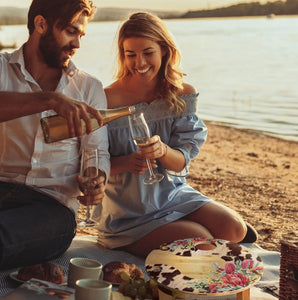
(140,133)
(88,173)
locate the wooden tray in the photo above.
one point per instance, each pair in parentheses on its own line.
(186,266)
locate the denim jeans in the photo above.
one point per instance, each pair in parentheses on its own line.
(33,227)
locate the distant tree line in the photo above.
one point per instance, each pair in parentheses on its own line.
(13,15)
(12,20)
(289,7)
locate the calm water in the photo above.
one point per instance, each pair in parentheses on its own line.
(246,69)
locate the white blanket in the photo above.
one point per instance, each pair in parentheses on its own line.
(86,246)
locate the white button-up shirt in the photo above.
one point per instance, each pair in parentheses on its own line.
(24,156)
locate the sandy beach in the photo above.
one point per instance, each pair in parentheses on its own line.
(253,173)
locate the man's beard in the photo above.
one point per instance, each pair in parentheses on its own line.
(51,51)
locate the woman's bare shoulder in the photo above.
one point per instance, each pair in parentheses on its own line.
(113,93)
(188,89)
(112,88)
(118,94)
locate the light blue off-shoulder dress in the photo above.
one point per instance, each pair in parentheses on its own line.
(132,209)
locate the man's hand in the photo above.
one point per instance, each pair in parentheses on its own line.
(95,192)
(73,111)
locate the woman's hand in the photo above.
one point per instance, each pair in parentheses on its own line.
(171,159)
(154,148)
(136,163)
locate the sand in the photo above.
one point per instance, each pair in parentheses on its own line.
(253,173)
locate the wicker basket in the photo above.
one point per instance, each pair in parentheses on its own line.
(288,282)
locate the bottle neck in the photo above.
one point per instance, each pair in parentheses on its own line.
(109,115)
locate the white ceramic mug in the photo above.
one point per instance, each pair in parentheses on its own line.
(81,267)
(92,289)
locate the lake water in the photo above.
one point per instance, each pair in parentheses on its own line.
(246,69)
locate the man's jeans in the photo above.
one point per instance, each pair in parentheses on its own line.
(33,227)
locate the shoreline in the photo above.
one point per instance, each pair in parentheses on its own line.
(251,172)
(282,137)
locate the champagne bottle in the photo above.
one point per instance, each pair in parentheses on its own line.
(55,128)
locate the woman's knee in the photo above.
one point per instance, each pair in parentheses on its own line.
(221,221)
(233,230)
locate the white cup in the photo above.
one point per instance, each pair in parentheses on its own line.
(92,289)
(80,267)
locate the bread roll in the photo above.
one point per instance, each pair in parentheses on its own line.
(46,271)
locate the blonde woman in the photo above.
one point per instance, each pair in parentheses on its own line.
(137,217)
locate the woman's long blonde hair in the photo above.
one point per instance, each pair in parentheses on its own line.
(151,27)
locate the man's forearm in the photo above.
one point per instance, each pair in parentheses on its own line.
(14,104)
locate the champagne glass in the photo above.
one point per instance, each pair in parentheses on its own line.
(89,173)
(140,133)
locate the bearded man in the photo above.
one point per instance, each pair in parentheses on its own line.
(38,181)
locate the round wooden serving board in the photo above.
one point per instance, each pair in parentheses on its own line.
(204,267)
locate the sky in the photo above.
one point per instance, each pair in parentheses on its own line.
(154,4)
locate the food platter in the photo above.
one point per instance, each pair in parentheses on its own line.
(199,266)
(14,276)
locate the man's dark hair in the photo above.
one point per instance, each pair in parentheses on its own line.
(59,12)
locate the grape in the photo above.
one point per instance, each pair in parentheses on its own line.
(142,291)
(125,276)
(138,288)
(138,282)
(130,290)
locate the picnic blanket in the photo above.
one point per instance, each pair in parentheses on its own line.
(86,246)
